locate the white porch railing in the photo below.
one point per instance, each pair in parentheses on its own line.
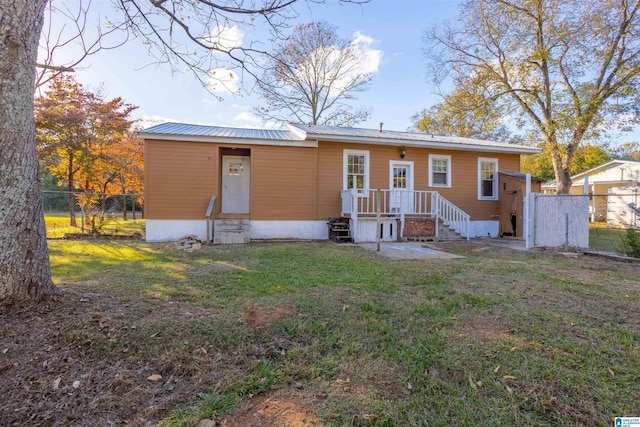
(405,202)
(452,216)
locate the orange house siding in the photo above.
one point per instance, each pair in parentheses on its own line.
(464,175)
(180,178)
(282,183)
(297,183)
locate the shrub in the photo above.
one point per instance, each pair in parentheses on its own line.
(630,243)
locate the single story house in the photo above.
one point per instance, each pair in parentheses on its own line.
(288,184)
(600,182)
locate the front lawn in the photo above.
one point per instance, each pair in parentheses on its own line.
(295,334)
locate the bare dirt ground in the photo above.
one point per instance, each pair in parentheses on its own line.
(51,363)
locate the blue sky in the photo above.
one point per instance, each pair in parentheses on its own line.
(390,29)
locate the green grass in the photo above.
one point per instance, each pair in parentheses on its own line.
(58,225)
(605,239)
(497,338)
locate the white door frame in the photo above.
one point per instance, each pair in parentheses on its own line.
(235,193)
(397,199)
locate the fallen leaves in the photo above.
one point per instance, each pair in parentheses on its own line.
(370,417)
(154,377)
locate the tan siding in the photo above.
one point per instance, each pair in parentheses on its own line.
(282,183)
(295,183)
(464,179)
(329,180)
(180,178)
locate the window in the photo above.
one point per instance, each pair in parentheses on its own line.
(439,171)
(487,179)
(356,170)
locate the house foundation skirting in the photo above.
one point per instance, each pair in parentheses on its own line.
(484,228)
(301,230)
(167,230)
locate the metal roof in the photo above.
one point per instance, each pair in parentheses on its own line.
(216,132)
(521,176)
(309,135)
(386,137)
(612,163)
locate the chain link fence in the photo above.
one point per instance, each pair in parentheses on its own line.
(559,221)
(611,215)
(70,214)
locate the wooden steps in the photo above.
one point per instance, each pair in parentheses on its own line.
(339,230)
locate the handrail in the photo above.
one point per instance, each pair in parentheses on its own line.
(452,216)
(405,202)
(209,215)
(408,202)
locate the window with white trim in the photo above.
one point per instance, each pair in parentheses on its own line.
(439,170)
(356,170)
(487,179)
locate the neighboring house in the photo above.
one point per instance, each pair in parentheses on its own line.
(287,184)
(599,181)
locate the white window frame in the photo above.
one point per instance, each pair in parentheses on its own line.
(482,160)
(433,157)
(345,165)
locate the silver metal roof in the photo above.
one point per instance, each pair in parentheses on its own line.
(309,135)
(387,137)
(216,132)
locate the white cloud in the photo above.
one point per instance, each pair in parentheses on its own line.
(371,57)
(367,61)
(247,119)
(226,38)
(223,80)
(358,38)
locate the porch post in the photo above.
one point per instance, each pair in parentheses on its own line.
(378,218)
(527,213)
(434,209)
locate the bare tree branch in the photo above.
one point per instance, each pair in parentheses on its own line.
(77,37)
(558,62)
(310,77)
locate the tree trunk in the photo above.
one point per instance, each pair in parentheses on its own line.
(72,197)
(24,256)
(124,207)
(562,172)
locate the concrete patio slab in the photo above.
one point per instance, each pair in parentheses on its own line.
(408,250)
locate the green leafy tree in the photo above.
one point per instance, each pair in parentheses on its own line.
(567,67)
(627,151)
(586,157)
(465,114)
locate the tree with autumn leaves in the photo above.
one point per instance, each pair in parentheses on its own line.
(86,141)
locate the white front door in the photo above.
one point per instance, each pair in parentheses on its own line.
(236,174)
(401,186)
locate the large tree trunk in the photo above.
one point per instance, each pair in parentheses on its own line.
(561,161)
(24,257)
